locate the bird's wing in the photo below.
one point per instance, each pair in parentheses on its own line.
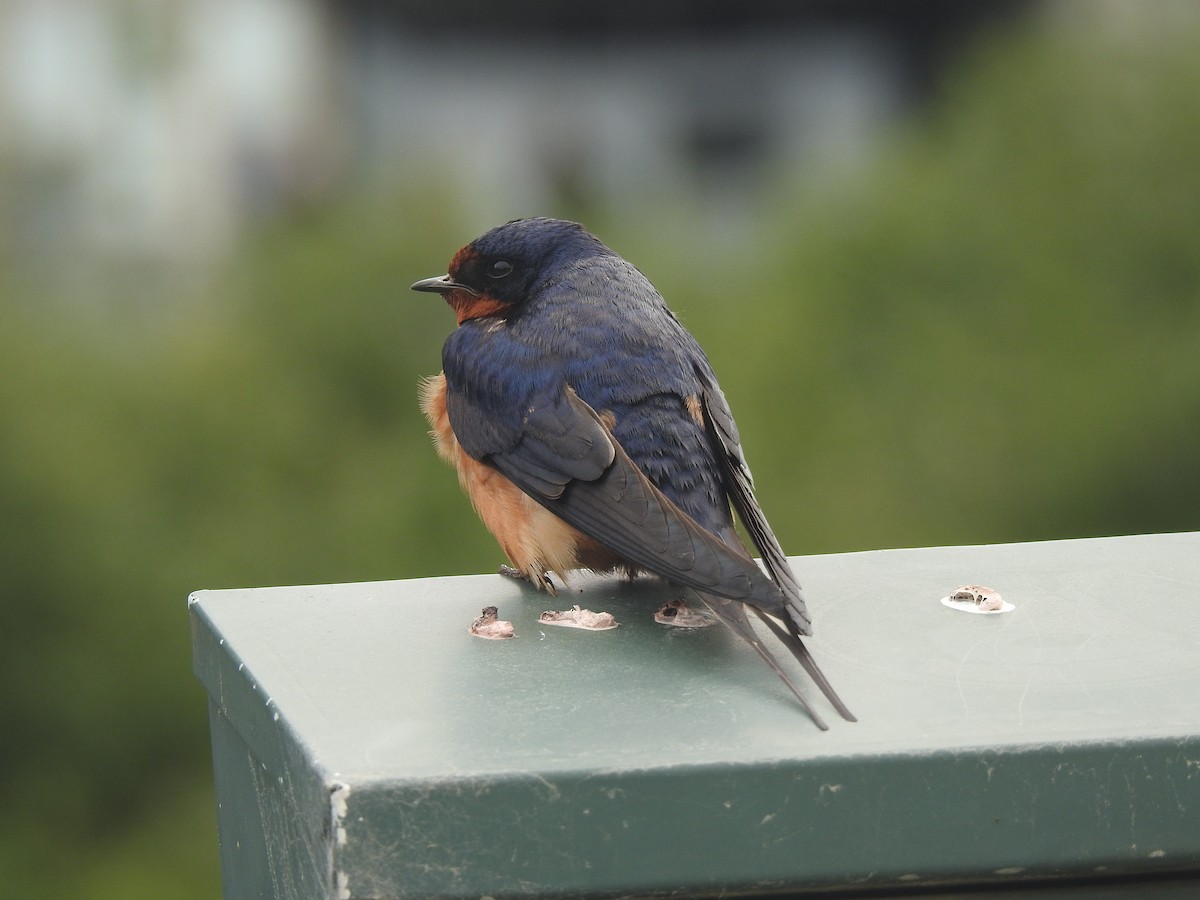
(740,485)
(562,455)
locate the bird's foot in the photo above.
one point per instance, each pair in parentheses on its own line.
(679,614)
(540,580)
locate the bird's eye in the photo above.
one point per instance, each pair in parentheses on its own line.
(499,268)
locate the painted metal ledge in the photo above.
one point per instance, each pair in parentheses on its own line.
(366,746)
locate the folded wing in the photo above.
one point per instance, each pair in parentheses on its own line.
(564,457)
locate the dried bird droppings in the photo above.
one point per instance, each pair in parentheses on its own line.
(680,615)
(489,626)
(975,598)
(579,618)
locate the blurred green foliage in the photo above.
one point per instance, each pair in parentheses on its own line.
(992,335)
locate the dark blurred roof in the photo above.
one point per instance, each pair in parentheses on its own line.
(925,31)
(672,17)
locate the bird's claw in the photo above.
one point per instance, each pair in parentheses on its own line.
(539,580)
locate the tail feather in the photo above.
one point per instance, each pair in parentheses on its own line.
(792,641)
(733,614)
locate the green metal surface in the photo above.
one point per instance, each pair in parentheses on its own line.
(366,746)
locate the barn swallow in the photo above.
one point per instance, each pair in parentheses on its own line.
(589,431)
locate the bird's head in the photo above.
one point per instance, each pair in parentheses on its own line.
(501,269)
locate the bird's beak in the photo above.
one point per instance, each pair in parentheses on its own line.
(443,284)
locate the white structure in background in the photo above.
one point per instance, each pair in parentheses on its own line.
(147,130)
(641,123)
(144,130)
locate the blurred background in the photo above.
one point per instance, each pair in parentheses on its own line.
(945,259)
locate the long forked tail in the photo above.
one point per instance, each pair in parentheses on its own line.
(805,658)
(733,614)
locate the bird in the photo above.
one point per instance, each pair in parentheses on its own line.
(588,429)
